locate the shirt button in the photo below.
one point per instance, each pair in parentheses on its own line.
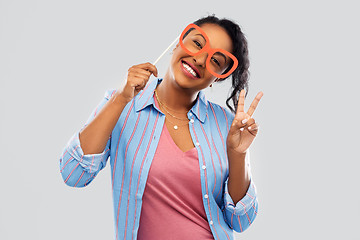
(190,114)
(192,120)
(203,167)
(211,222)
(206,196)
(197,144)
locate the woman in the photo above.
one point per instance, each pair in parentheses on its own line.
(179,163)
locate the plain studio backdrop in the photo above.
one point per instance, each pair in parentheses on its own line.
(57,59)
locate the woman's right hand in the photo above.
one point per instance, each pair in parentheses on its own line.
(137,78)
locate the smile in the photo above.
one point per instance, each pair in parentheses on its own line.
(189,70)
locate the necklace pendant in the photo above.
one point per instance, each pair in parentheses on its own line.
(175,127)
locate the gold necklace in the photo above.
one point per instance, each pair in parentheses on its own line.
(157,97)
(175,125)
(162,104)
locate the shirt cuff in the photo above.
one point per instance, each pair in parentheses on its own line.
(244,204)
(90,162)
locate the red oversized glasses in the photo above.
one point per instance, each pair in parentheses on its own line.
(194,41)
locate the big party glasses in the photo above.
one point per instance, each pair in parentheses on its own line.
(194,41)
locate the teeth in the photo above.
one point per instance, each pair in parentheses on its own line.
(189,69)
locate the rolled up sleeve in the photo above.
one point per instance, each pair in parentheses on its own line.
(90,162)
(77,169)
(241,215)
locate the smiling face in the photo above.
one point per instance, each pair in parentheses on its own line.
(190,71)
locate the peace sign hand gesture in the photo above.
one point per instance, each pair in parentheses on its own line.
(243,129)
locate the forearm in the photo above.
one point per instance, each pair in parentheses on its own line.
(93,137)
(239,176)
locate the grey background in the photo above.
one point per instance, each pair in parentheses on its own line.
(57,59)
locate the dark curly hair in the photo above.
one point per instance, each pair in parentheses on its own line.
(240,50)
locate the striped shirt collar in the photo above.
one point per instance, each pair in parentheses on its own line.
(146,98)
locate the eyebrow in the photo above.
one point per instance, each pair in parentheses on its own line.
(219,53)
(201,36)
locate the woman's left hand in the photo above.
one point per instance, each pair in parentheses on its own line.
(243,129)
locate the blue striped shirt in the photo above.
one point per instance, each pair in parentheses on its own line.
(131,147)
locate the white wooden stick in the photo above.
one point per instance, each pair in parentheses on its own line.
(176,39)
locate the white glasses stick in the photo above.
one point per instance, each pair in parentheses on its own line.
(176,39)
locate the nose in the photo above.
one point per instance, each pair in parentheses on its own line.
(201,59)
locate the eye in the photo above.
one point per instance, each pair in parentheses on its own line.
(197,44)
(215,61)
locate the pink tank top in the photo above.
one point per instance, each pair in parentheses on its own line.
(172,206)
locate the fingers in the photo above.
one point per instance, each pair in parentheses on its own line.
(241,103)
(245,123)
(137,78)
(250,126)
(253,128)
(149,67)
(138,72)
(254,104)
(241,123)
(141,74)
(137,81)
(240,106)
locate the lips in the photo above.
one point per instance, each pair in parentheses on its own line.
(193,68)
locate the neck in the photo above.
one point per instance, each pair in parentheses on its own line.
(174,97)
